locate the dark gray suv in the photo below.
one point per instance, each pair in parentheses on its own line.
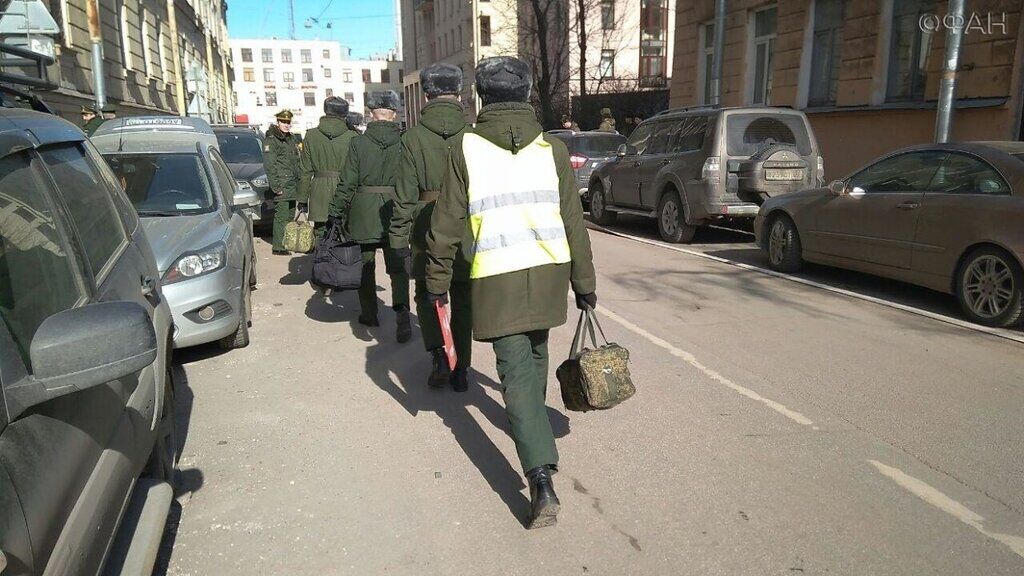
(691,167)
(86,392)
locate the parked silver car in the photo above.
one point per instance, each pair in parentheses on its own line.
(196,218)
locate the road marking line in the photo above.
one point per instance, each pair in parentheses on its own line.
(998,332)
(948,505)
(709,372)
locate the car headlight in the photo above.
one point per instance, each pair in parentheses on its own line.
(198,263)
(260,181)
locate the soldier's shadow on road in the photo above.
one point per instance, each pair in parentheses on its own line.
(401,371)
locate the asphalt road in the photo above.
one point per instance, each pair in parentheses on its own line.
(777,429)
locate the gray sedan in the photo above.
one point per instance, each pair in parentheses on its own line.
(948,217)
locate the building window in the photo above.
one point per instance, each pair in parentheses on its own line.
(327,54)
(327,72)
(162,47)
(707,61)
(762,55)
(307,56)
(146,47)
(825,52)
(607,14)
(289,77)
(126,43)
(328,92)
(268,74)
(350,97)
(307,74)
(271,98)
(246,54)
(385,76)
(607,66)
(248,75)
(366,75)
(310,98)
(268,55)
(346,75)
(400,72)
(653,43)
(908,53)
(485,30)
(286,56)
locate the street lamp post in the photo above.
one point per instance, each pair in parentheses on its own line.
(947,87)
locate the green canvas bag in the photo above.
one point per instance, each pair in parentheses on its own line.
(598,378)
(298,235)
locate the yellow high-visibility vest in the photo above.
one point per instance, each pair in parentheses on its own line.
(514,207)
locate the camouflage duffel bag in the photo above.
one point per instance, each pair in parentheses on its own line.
(299,236)
(598,378)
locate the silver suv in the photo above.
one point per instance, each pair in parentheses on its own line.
(691,167)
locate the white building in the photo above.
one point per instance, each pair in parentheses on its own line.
(298,75)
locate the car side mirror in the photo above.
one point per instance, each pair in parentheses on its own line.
(246,196)
(837,187)
(626,150)
(80,348)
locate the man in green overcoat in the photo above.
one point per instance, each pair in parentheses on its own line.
(515,188)
(364,202)
(323,156)
(281,161)
(423,168)
(92,120)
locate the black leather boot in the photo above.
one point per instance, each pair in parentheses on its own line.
(460,380)
(544,501)
(404,331)
(367,321)
(440,373)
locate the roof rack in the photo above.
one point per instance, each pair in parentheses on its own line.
(688,109)
(10,84)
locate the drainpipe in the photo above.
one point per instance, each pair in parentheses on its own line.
(92,11)
(716,64)
(947,87)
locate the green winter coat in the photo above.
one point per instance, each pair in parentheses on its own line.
(281,161)
(92,125)
(527,300)
(361,197)
(323,156)
(425,149)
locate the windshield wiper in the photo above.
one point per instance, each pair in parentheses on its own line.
(158,213)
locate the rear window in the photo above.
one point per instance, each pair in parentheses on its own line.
(240,148)
(748,134)
(603,145)
(164,184)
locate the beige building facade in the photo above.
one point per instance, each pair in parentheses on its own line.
(866,72)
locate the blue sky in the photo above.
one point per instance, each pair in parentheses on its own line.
(365,26)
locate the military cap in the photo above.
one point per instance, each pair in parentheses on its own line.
(606,112)
(284,116)
(335,106)
(88,110)
(384,101)
(503,79)
(441,79)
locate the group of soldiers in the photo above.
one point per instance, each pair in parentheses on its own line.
(484,218)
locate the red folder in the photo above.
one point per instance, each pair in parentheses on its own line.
(444,316)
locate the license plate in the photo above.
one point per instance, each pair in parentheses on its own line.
(784,173)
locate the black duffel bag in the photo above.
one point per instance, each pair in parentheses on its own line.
(337,261)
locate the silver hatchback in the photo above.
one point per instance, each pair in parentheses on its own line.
(197,219)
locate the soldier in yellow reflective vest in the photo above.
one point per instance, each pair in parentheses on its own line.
(514,188)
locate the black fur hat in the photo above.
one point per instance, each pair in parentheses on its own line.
(335,106)
(384,100)
(441,79)
(503,79)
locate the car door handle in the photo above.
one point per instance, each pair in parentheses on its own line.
(909,205)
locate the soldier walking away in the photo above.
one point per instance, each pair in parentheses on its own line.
(364,202)
(281,161)
(607,120)
(515,189)
(322,159)
(423,168)
(92,120)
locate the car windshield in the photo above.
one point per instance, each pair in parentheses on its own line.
(164,184)
(240,148)
(748,134)
(603,145)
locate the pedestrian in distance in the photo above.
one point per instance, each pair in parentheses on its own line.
(321,161)
(607,121)
(91,120)
(424,164)
(569,124)
(514,187)
(281,161)
(364,202)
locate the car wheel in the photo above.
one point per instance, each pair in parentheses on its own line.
(989,286)
(164,457)
(599,207)
(784,250)
(240,337)
(672,220)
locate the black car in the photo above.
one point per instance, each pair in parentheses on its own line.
(86,388)
(242,149)
(587,151)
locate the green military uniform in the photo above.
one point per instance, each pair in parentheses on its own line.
(607,121)
(323,156)
(424,165)
(514,311)
(281,161)
(365,199)
(93,123)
